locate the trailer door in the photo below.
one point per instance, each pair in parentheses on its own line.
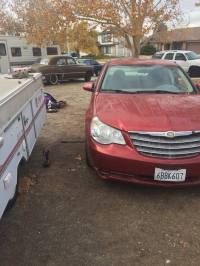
(4,61)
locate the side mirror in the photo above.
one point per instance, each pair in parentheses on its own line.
(89,86)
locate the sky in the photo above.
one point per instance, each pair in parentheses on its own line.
(191,13)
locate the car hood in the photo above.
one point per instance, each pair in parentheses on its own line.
(147,112)
(195,62)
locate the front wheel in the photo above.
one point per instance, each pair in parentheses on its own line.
(87,77)
(194,71)
(53,80)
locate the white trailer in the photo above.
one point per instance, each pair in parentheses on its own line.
(22,115)
(16,51)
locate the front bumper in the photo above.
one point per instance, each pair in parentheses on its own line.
(124,163)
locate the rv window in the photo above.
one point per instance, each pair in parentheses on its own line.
(37,51)
(16,51)
(2,49)
(52,51)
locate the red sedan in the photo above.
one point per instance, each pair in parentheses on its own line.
(143,124)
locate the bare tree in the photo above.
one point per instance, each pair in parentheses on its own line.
(130,19)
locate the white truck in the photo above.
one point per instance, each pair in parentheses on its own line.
(16,51)
(188,60)
(22,115)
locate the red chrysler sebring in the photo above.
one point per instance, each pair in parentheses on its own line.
(143,124)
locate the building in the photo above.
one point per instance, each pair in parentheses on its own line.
(112,46)
(177,39)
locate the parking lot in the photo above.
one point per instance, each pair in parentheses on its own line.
(66,215)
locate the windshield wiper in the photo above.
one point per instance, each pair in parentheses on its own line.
(118,91)
(160,92)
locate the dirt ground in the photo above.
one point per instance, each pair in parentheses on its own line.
(69,217)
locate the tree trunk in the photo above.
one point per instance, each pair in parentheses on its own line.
(133,45)
(130,45)
(136,43)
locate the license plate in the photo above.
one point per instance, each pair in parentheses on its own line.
(170,175)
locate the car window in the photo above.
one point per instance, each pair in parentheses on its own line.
(158,55)
(93,62)
(169,56)
(44,61)
(180,57)
(80,61)
(146,79)
(71,61)
(61,62)
(87,62)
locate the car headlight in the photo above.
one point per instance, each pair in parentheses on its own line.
(105,134)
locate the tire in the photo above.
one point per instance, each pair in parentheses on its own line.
(88,77)
(53,79)
(194,71)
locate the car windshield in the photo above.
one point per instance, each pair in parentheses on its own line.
(44,61)
(146,79)
(192,56)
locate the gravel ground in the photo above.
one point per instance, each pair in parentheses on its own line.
(68,216)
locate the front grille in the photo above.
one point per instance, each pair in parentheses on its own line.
(159,144)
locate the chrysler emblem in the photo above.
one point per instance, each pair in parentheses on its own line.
(170,134)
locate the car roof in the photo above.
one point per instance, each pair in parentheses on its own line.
(56,57)
(174,51)
(133,61)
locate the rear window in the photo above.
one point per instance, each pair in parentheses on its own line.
(158,55)
(146,78)
(44,61)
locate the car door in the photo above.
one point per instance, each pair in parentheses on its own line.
(182,61)
(74,70)
(61,66)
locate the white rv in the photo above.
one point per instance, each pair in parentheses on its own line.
(15,51)
(22,115)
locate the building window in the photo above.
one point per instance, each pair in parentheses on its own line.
(37,51)
(2,49)
(177,45)
(106,38)
(107,50)
(52,51)
(16,51)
